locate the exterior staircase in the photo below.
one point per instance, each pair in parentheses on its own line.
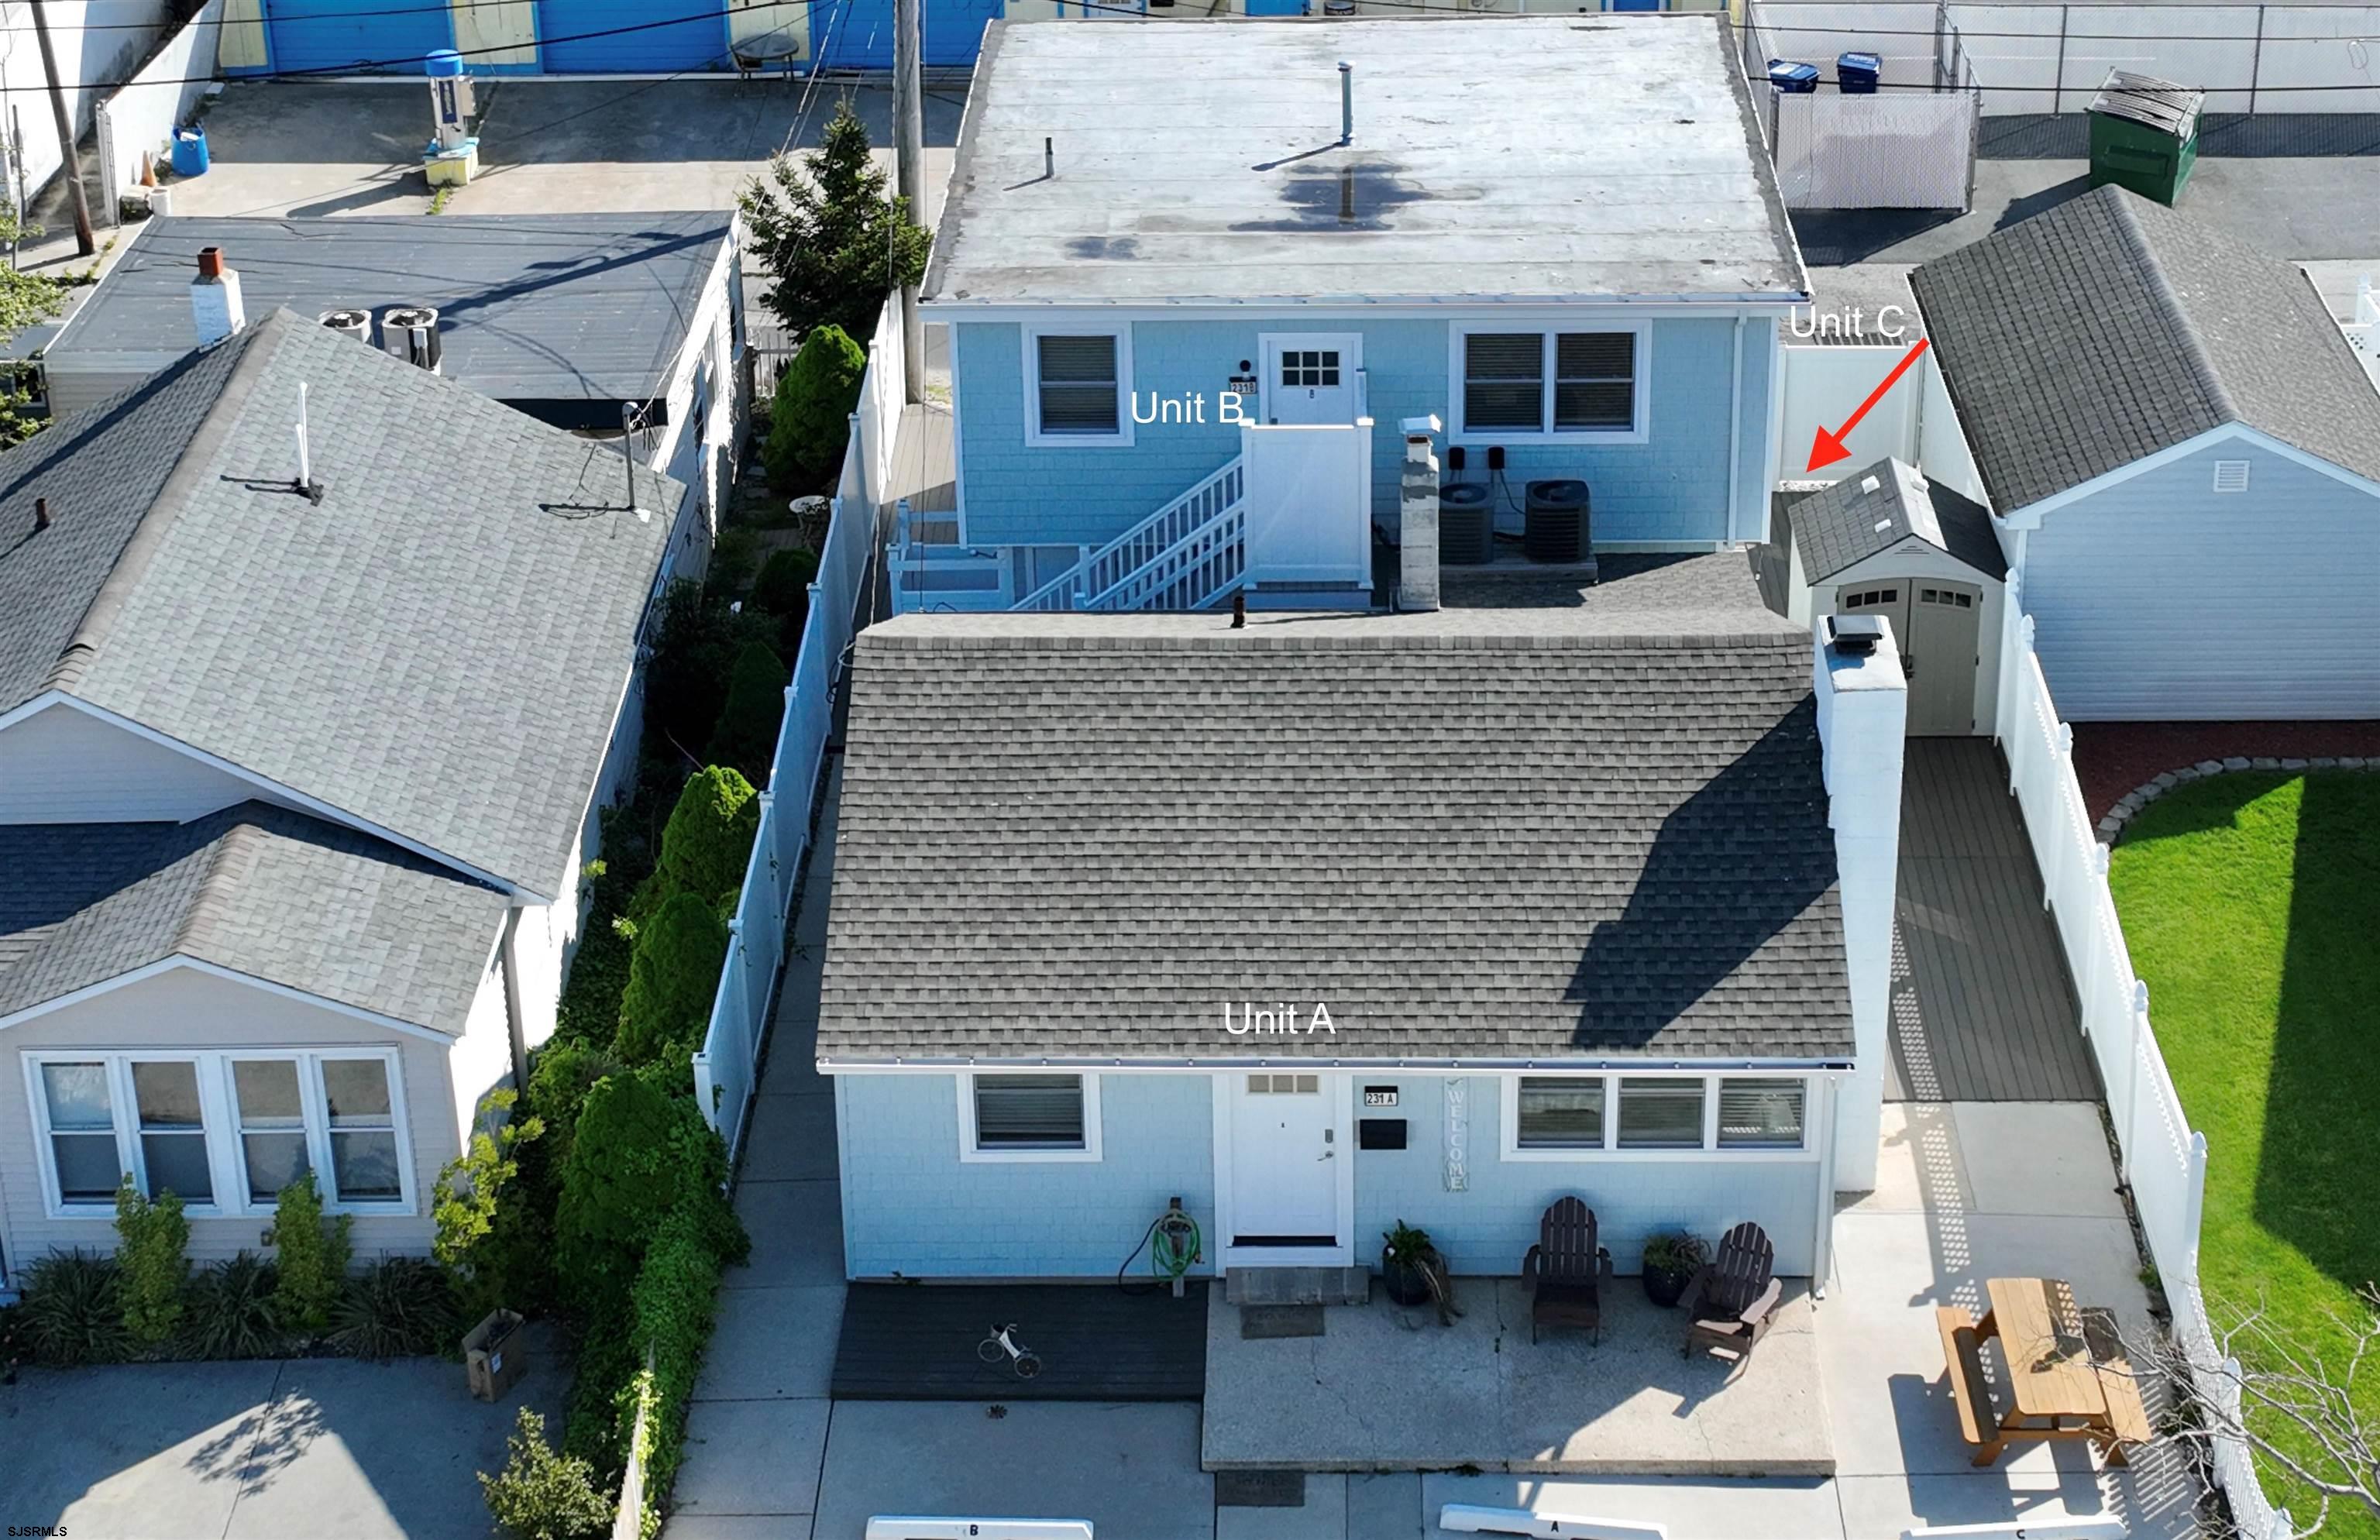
(1188,555)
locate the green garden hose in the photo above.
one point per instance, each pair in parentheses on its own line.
(1172,1243)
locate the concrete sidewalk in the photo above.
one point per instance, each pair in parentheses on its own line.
(756,1432)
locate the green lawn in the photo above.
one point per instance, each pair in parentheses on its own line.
(2252,905)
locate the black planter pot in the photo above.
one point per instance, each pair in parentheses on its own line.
(1666,1286)
(1406,1286)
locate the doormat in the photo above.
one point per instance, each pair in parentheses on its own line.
(1259,1488)
(1260,1322)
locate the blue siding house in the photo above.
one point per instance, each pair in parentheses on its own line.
(1201,279)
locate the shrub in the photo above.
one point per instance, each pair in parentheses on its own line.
(589,1011)
(696,639)
(671,1305)
(809,420)
(745,738)
(559,1079)
(231,1311)
(312,1256)
(638,1154)
(73,1311)
(540,1494)
(152,1262)
(468,1196)
(672,975)
(734,557)
(784,590)
(398,1308)
(709,840)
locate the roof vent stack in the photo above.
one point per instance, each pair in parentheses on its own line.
(305,485)
(1853,636)
(1346,103)
(40,514)
(215,309)
(410,333)
(349,323)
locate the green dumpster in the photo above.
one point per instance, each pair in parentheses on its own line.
(2144,135)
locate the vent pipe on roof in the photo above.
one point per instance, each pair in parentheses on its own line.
(215,309)
(1346,103)
(40,514)
(1049,158)
(305,484)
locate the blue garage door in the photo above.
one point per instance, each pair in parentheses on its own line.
(348,34)
(699,41)
(862,32)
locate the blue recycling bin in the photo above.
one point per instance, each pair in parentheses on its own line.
(1793,78)
(1856,73)
(191,151)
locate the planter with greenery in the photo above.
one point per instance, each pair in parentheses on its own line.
(1671,1260)
(1407,1263)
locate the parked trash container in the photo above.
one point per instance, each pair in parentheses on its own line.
(1792,77)
(2144,135)
(1856,73)
(191,151)
(495,1355)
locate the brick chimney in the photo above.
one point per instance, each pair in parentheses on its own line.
(1417,518)
(215,309)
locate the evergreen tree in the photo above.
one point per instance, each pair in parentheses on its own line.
(834,243)
(809,418)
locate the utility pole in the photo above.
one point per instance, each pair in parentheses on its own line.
(85,242)
(909,170)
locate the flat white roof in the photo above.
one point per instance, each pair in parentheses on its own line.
(1546,158)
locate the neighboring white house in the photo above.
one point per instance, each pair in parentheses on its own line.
(570,318)
(2182,455)
(315,673)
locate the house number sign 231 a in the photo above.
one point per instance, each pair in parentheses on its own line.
(1458,1134)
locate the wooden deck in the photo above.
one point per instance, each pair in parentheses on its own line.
(907,1341)
(1983,1009)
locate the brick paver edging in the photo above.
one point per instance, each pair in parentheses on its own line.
(2140,796)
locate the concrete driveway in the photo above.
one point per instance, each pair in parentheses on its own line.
(308,149)
(258,1449)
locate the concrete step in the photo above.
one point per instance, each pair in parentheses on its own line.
(1298,1286)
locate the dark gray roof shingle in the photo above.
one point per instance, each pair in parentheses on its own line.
(2110,327)
(561,315)
(1082,842)
(438,647)
(1848,523)
(258,890)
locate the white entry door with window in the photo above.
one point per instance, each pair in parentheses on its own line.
(1288,1176)
(1312,377)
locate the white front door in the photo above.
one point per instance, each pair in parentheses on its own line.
(1291,1181)
(1312,376)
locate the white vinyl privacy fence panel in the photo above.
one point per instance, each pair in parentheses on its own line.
(2165,1161)
(726,1069)
(1893,150)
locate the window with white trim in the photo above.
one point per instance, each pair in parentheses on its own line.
(1660,1112)
(1560,1112)
(225,1132)
(1080,387)
(1028,1116)
(1586,1117)
(1552,383)
(1761,1113)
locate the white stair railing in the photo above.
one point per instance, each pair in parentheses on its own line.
(1089,583)
(1192,574)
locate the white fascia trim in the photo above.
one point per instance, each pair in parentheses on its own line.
(295,798)
(215,970)
(826,1065)
(2032,513)
(1142,309)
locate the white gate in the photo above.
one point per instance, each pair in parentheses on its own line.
(1309,502)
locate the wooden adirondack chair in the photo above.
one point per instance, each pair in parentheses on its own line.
(1565,1270)
(1734,1300)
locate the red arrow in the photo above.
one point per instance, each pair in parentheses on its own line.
(1827,448)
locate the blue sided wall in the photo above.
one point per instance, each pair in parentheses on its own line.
(858,34)
(1671,488)
(911,1206)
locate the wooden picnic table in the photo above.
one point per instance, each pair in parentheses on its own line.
(2065,1387)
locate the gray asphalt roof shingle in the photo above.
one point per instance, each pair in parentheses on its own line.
(542,311)
(437,647)
(1846,524)
(2111,327)
(258,890)
(1081,844)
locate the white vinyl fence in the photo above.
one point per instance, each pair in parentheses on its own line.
(726,1069)
(1824,384)
(2163,1160)
(141,116)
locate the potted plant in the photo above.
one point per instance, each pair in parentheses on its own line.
(1406,1260)
(1671,1260)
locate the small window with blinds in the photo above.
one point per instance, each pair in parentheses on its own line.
(1504,381)
(1595,381)
(1660,1113)
(1030,1116)
(1079,385)
(1560,1112)
(1761,1114)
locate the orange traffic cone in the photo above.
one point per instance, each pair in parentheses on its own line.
(148,171)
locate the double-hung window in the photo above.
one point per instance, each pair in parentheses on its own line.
(1078,386)
(225,1132)
(1551,384)
(1028,1117)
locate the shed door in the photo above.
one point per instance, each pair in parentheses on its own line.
(1940,658)
(335,35)
(1885,597)
(571,47)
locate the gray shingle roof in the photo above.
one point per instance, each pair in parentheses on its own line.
(1847,523)
(1081,844)
(2110,327)
(259,889)
(561,315)
(438,647)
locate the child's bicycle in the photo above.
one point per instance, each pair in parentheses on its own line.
(1002,1344)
